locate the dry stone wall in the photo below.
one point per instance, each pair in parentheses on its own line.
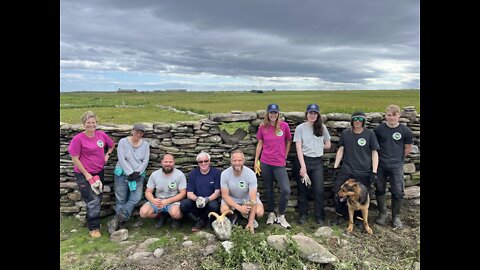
(185,139)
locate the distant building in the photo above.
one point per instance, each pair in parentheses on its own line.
(120,90)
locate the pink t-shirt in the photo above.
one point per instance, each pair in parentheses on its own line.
(90,150)
(274,145)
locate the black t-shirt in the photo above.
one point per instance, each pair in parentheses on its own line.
(392,144)
(357,152)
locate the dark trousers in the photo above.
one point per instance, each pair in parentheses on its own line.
(395,177)
(270,172)
(315,172)
(187,206)
(91,199)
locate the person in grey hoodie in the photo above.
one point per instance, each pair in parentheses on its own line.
(133,155)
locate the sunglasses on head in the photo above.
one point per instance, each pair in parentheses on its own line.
(358,119)
(203,161)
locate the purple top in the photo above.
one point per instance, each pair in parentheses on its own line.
(90,150)
(274,145)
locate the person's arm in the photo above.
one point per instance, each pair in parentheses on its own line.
(180,196)
(230,202)
(327,144)
(287,147)
(339,156)
(303,167)
(78,163)
(214,195)
(192,196)
(258,150)
(123,147)
(149,195)
(252,194)
(146,158)
(407,149)
(374,161)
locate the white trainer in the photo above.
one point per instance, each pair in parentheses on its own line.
(271,218)
(255,224)
(282,221)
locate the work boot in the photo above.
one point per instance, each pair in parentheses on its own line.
(302,219)
(113,224)
(396,205)
(198,225)
(160,222)
(339,219)
(382,210)
(175,224)
(95,233)
(271,218)
(320,221)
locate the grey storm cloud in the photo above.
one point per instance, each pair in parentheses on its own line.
(330,40)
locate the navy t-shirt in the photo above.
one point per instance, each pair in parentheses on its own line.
(357,153)
(203,185)
(392,144)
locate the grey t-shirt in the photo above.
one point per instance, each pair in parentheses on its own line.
(131,158)
(167,185)
(312,146)
(239,186)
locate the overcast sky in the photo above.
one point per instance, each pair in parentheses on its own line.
(239,45)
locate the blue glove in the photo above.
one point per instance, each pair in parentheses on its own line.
(132,185)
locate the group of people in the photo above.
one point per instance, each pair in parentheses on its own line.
(372,157)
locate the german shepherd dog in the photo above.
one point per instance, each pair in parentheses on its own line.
(357,197)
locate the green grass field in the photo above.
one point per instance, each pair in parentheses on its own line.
(128,108)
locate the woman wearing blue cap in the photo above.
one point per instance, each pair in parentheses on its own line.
(311,138)
(274,140)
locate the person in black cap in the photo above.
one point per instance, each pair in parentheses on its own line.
(358,151)
(311,138)
(133,155)
(274,140)
(396,142)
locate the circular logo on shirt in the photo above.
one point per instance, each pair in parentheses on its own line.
(396,136)
(100,143)
(172,185)
(241,184)
(361,142)
(279,133)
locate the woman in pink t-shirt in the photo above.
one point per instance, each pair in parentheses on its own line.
(87,150)
(274,140)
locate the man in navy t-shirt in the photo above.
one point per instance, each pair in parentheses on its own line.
(203,190)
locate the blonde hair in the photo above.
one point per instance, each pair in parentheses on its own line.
(86,115)
(393,109)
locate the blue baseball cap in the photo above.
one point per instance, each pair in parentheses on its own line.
(273,108)
(313,108)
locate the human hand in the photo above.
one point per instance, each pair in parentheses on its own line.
(201,202)
(374,179)
(250,228)
(303,171)
(257,168)
(95,184)
(244,210)
(306,180)
(133,176)
(334,173)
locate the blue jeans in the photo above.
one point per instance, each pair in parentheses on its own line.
(91,199)
(126,199)
(395,177)
(270,172)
